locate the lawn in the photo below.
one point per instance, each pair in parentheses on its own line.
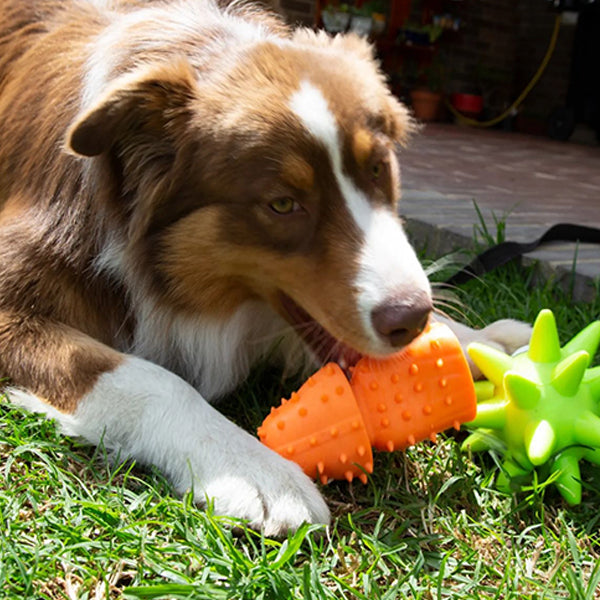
(428,525)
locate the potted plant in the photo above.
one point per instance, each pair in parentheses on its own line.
(378,14)
(484,92)
(468,104)
(421,35)
(362,22)
(426,96)
(336,17)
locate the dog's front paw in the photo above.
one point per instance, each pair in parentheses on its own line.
(271,493)
(507,335)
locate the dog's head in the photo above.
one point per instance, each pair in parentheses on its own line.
(272,177)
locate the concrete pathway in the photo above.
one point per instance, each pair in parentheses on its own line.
(528,182)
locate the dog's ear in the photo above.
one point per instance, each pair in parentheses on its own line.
(147,101)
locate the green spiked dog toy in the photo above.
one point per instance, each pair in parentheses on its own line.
(540,407)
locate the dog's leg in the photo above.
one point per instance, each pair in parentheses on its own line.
(140,410)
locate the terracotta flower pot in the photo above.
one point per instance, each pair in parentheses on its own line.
(426,104)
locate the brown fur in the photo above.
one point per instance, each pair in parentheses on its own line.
(298,173)
(42,357)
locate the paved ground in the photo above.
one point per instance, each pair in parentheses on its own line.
(529,182)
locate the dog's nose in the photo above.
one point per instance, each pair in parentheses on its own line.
(399,323)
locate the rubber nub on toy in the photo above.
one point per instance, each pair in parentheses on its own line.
(321,428)
(329,425)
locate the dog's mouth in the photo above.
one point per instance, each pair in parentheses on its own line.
(325,346)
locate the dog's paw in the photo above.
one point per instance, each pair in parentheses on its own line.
(272,494)
(507,335)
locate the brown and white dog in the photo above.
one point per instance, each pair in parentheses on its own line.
(183,187)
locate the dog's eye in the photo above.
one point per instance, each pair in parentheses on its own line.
(284,205)
(377,170)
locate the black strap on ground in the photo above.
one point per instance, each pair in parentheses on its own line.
(502,253)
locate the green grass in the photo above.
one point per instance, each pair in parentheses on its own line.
(429,524)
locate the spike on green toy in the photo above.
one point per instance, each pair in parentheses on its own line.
(545,407)
(544,346)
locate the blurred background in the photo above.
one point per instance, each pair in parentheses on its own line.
(531,66)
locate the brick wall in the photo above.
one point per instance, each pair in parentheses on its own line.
(482,56)
(535,24)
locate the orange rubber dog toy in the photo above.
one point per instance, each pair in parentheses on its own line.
(329,425)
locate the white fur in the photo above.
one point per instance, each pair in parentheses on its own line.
(389,270)
(310,106)
(110,260)
(215,355)
(144,412)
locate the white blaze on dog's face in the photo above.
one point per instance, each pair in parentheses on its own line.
(277,180)
(391,291)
